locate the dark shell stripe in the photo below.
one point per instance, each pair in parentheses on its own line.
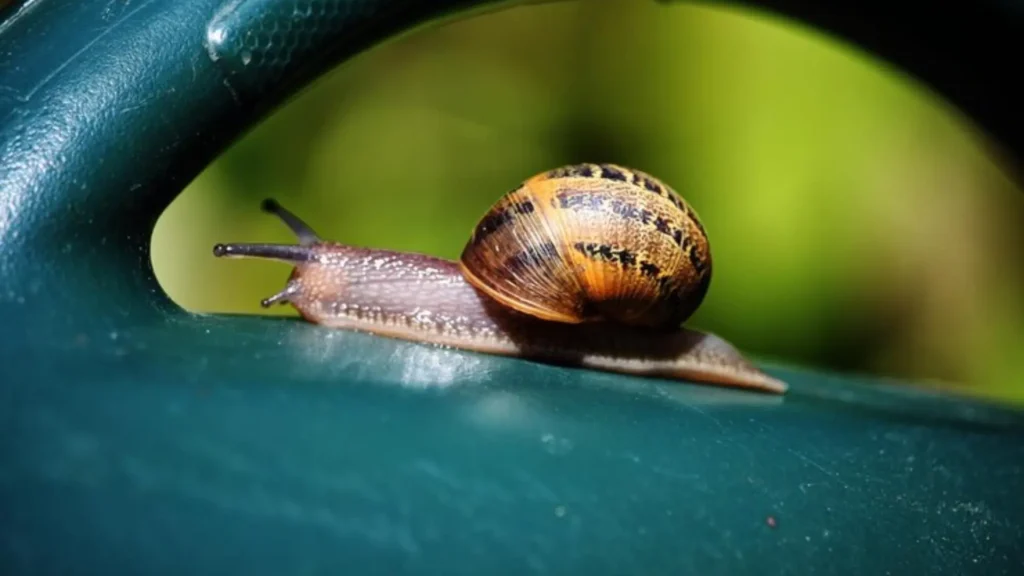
(626,260)
(569,199)
(501,217)
(621,197)
(515,252)
(616,173)
(532,257)
(586,200)
(505,215)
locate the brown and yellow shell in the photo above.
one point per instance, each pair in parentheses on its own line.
(592,242)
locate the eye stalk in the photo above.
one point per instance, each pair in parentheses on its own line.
(284,252)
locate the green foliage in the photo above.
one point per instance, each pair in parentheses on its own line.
(857,223)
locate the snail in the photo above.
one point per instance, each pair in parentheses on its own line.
(587,265)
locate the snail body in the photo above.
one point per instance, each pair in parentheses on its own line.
(590,265)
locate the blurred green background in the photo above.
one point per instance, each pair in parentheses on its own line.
(857,223)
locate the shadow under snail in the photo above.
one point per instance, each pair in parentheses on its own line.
(587,265)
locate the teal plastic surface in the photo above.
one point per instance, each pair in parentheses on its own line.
(138,438)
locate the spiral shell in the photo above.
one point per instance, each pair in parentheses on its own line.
(592,242)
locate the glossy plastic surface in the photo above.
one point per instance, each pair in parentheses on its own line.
(140,439)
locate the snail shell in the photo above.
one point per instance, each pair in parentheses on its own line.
(592,242)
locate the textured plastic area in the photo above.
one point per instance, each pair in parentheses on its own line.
(254,446)
(256,43)
(137,438)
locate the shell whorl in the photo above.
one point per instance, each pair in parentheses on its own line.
(590,242)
